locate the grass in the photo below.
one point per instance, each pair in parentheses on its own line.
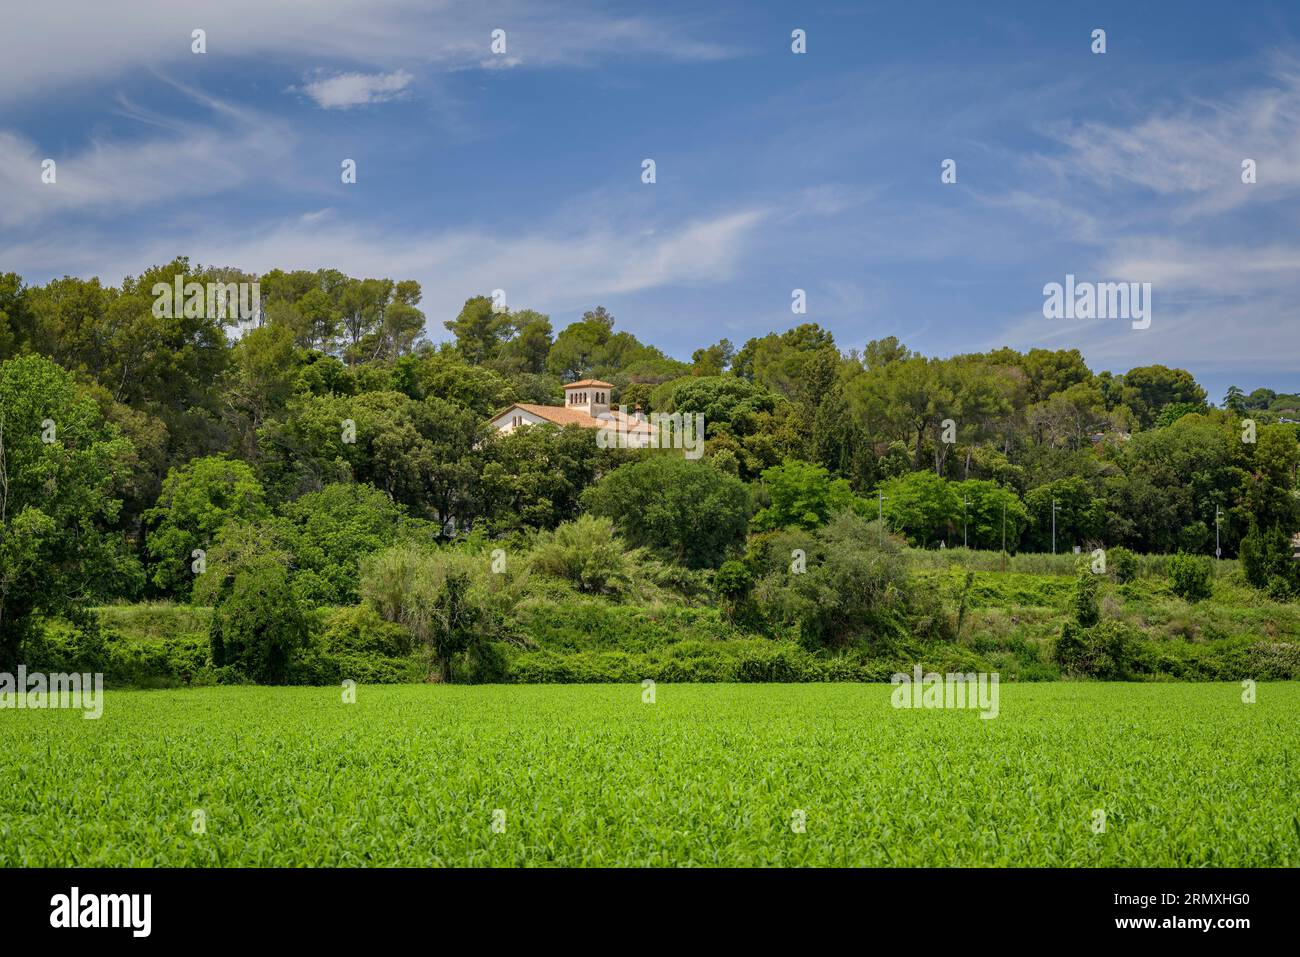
(155,621)
(1064,562)
(1187,775)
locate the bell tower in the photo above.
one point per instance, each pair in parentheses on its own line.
(588,395)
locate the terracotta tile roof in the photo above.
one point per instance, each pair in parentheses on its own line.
(589,382)
(560,415)
(563,415)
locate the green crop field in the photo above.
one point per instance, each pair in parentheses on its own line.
(1187,775)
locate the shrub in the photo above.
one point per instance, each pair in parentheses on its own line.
(733,583)
(1267,563)
(586,553)
(359,630)
(1083,603)
(1122,563)
(689,583)
(1189,577)
(449,600)
(1105,651)
(851,589)
(259,625)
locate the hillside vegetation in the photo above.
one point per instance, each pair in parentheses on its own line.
(319,496)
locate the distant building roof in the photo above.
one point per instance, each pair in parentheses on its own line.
(565,415)
(589,382)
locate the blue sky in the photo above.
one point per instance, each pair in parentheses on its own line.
(775,171)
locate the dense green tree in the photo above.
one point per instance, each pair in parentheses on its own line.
(1260,399)
(923,507)
(61,464)
(528,345)
(577,349)
(533,477)
(987,510)
(330,531)
(1080,517)
(714,360)
(14,324)
(445,375)
(479,330)
(197,500)
(1148,389)
(804,495)
(1234,400)
(724,401)
(1167,482)
(688,512)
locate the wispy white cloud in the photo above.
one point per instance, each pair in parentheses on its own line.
(1195,270)
(345,90)
(98,42)
(550,267)
(1194,154)
(181,159)
(1160,199)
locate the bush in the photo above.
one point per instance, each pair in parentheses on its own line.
(360,631)
(1084,601)
(1105,651)
(1189,577)
(1267,563)
(259,625)
(1122,563)
(851,590)
(732,584)
(585,553)
(449,600)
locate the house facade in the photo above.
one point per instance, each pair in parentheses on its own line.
(586,404)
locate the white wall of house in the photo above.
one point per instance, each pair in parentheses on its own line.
(512,419)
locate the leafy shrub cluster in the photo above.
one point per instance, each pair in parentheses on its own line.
(1122,564)
(1189,577)
(1105,650)
(1267,563)
(841,585)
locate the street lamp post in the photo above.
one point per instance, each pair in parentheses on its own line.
(1218,552)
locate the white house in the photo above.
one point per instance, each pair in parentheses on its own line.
(586,404)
